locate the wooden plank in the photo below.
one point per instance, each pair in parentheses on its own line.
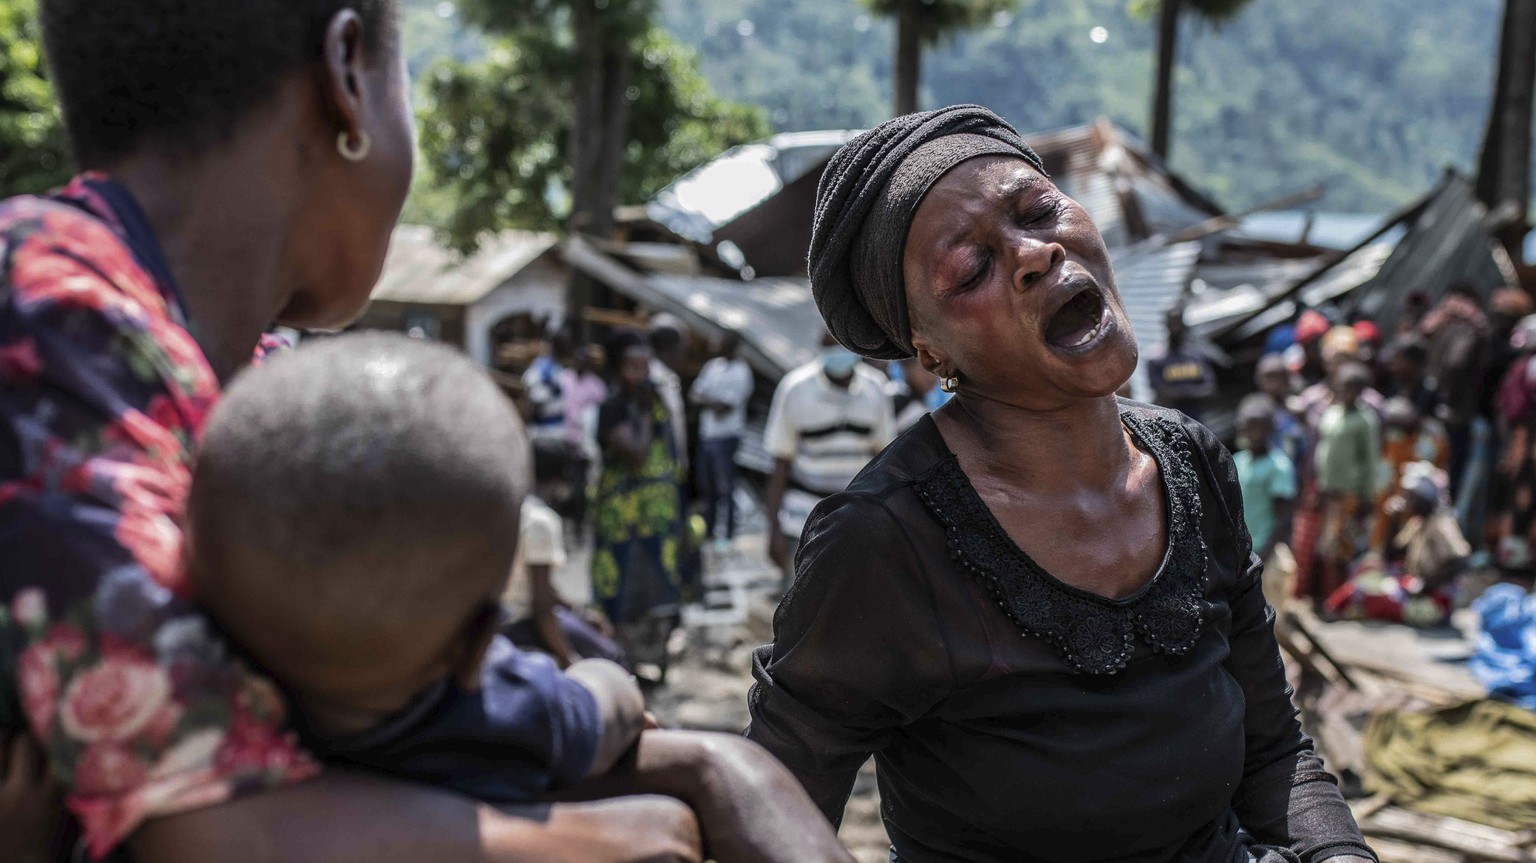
(1428,659)
(1475,842)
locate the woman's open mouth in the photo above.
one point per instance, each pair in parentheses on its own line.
(1080,322)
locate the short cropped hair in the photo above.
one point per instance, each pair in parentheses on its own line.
(620,342)
(186,73)
(1256,406)
(363,488)
(1410,347)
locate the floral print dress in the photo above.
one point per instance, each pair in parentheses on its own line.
(637,531)
(141,708)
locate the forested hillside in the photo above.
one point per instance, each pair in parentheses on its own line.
(1371,98)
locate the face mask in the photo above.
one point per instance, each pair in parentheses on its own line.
(837,361)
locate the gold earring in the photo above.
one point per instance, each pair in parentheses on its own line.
(353,152)
(950,384)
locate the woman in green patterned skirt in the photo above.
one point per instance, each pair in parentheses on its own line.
(639,518)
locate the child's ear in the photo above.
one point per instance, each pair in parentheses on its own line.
(474,641)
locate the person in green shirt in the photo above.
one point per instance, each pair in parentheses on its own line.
(1348,452)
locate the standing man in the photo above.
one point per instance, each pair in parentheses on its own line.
(721,392)
(1181,377)
(1458,336)
(543,385)
(828,419)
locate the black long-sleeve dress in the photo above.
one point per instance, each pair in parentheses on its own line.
(1016,718)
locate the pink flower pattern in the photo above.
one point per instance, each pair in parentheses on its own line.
(103,392)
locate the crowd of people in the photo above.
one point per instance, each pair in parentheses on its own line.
(1377,467)
(254,599)
(615,437)
(1374,469)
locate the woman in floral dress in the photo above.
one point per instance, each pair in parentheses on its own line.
(245,164)
(639,507)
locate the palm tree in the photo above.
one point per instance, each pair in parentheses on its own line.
(1504,168)
(1169,14)
(926,22)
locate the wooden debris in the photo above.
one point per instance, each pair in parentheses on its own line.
(1473,842)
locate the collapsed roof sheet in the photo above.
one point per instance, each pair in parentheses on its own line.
(776,317)
(419,269)
(1434,244)
(1151,278)
(696,204)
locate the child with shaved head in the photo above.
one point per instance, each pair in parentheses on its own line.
(353,523)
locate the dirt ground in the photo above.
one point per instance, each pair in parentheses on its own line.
(707,684)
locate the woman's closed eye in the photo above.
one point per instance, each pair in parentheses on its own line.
(975,271)
(1042,211)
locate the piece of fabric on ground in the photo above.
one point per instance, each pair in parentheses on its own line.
(1475,761)
(1505,657)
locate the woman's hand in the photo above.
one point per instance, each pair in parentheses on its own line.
(30,805)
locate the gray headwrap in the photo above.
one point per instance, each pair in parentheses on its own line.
(864,204)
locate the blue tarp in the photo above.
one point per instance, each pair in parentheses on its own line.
(1505,657)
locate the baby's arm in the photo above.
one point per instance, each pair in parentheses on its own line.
(344,817)
(751,809)
(619,702)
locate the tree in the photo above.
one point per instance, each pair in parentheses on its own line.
(33,151)
(539,132)
(1504,167)
(927,22)
(496,136)
(1169,15)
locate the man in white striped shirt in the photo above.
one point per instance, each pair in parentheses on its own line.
(828,419)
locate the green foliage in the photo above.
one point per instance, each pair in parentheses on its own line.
(495,132)
(616,21)
(33,149)
(1213,11)
(1371,98)
(942,18)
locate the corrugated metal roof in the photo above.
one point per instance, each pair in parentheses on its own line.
(694,205)
(1430,246)
(776,317)
(1129,193)
(1151,278)
(1445,246)
(1099,165)
(419,269)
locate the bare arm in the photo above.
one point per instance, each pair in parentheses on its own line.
(621,704)
(1284,510)
(631,439)
(344,817)
(750,807)
(544,602)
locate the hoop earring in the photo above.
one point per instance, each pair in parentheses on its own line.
(950,384)
(353,152)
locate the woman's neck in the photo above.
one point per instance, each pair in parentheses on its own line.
(1081,444)
(223,231)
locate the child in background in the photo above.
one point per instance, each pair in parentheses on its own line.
(1267,478)
(542,619)
(1407,437)
(1346,464)
(348,525)
(1409,580)
(1274,381)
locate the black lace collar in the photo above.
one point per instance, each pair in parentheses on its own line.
(1093,634)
